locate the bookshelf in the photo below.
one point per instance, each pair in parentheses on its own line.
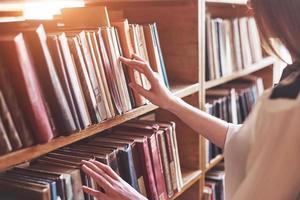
(256,67)
(263,68)
(181,27)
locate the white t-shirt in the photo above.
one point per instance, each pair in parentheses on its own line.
(262,157)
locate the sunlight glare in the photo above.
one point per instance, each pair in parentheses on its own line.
(46,9)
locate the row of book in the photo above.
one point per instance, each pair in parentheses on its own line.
(57,80)
(143,153)
(232,45)
(232,102)
(214,183)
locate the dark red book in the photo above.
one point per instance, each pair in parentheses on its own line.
(21,72)
(13,105)
(59,111)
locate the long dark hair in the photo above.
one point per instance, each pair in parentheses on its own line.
(279,19)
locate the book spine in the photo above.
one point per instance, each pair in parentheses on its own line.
(165,162)
(59,64)
(5,146)
(9,125)
(157,167)
(26,83)
(148,171)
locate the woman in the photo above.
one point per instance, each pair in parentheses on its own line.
(261,160)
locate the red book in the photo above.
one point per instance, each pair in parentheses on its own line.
(16,59)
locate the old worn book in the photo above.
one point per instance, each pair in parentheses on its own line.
(101,75)
(74,173)
(9,125)
(88,17)
(76,88)
(110,74)
(58,178)
(15,110)
(13,189)
(131,102)
(60,65)
(29,179)
(135,40)
(117,70)
(22,74)
(127,48)
(161,137)
(84,77)
(54,97)
(104,107)
(87,54)
(5,146)
(121,73)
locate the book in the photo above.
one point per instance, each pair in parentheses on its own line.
(21,124)
(117,69)
(9,125)
(4,141)
(58,109)
(112,83)
(74,173)
(83,74)
(255,41)
(26,84)
(103,107)
(127,48)
(76,88)
(59,63)
(245,43)
(162,63)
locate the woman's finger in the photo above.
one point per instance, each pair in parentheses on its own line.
(94,193)
(135,56)
(140,90)
(106,169)
(140,66)
(98,170)
(101,181)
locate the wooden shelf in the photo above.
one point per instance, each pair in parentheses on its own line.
(214,162)
(236,2)
(17,157)
(189,178)
(266,62)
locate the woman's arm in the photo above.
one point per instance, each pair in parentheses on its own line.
(210,127)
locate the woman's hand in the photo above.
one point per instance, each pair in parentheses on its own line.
(115,188)
(159,94)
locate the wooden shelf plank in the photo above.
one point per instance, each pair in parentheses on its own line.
(17,157)
(266,62)
(189,178)
(236,2)
(214,162)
